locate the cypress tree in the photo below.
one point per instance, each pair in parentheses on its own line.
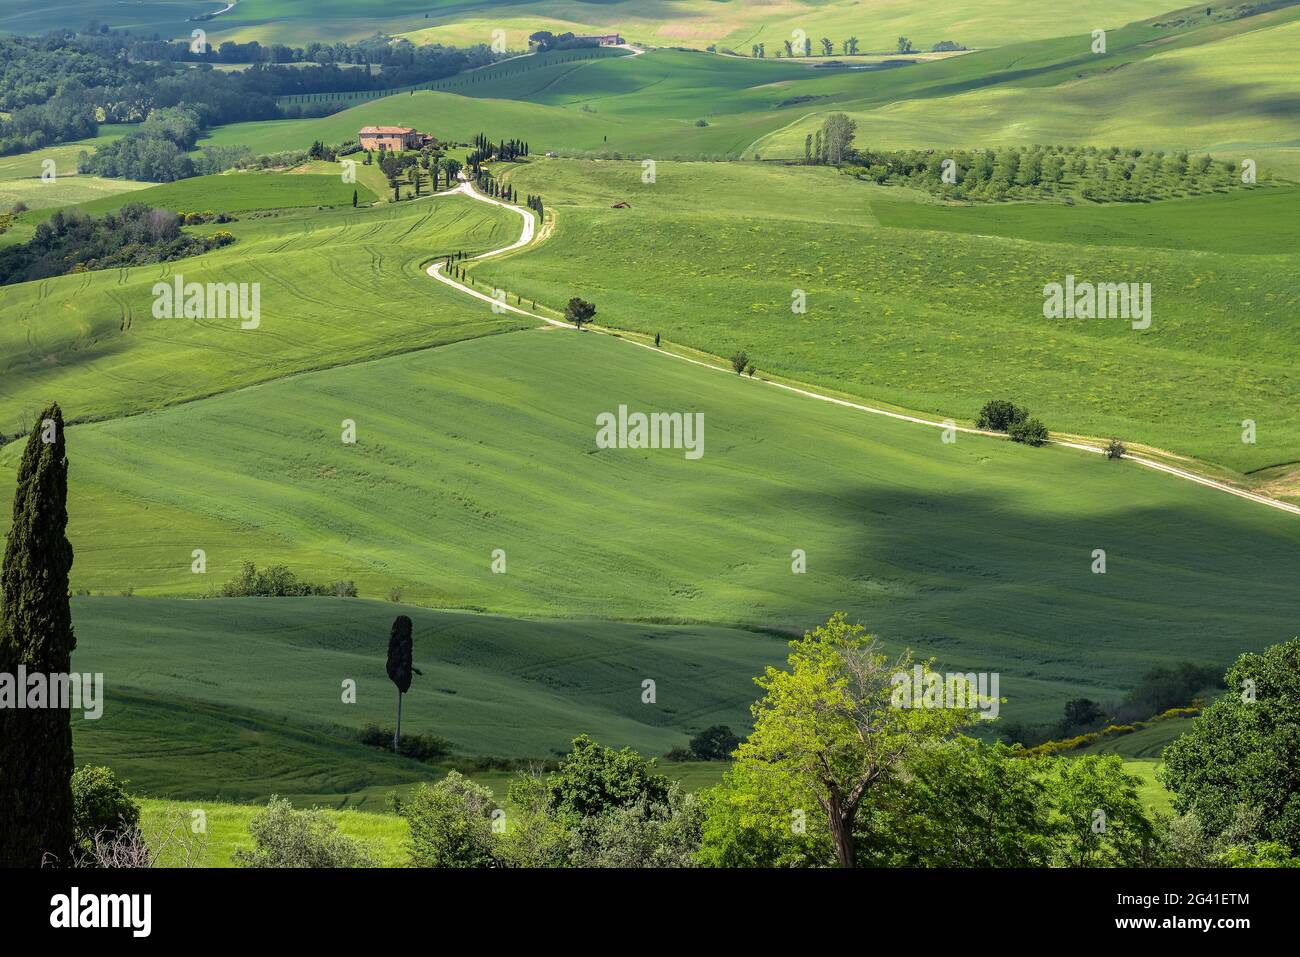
(36,631)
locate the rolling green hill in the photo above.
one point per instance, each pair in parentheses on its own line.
(1173,82)
(336,286)
(978,552)
(246,694)
(710,255)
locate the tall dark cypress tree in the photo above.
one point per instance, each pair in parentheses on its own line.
(36,631)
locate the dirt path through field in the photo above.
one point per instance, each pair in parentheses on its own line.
(437,271)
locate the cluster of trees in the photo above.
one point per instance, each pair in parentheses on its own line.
(157,151)
(60,87)
(544,40)
(1099,174)
(535,204)
(999,415)
(57,120)
(72,242)
(390,62)
(277,581)
(848,47)
(1164,691)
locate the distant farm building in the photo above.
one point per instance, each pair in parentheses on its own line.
(608,40)
(392,138)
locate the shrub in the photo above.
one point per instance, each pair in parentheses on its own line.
(739,361)
(645,834)
(999,415)
(277,581)
(714,744)
(1115,449)
(451,824)
(421,747)
(100,806)
(1029,432)
(284,837)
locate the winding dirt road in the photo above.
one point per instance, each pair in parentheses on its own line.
(530,231)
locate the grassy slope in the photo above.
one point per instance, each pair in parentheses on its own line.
(1216,86)
(234,192)
(247,672)
(227,830)
(20,177)
(695,23)
(1226,223)
(336,286)
(709,255)
(978,552)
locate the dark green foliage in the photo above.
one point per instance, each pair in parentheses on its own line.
(421,747)
(399,654)
(451,824)
(999,415)
(132,236)
(36,631)
(101,806)
(714,744)
(1028,432)
(962,804)
(1081,712)
(1163,688)
(1037,172)
(1115,449)
(1243,751)
(579,311)
(740,361)
(593,779)
(278,582)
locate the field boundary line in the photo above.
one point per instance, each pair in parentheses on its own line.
(530,230)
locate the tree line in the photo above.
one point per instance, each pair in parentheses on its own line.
(1099,174)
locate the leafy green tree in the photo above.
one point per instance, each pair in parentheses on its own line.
(838,131)
(714,743)
(833,727)
(758,819)
(904,45)
(537,836)
(999,415)
(1243,750)
(100,806)
(451,824)
(739,361)
(1030,432)
(579,312)
(285,837)
(1081,712)
(962,804)
(593,779)
(1101,819)
(36,631)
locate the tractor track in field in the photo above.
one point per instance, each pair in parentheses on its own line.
(530,230)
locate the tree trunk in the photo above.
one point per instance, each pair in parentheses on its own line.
(397,732)
(841,821)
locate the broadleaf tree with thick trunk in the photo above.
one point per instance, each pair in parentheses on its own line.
(36,632)
(829,730)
